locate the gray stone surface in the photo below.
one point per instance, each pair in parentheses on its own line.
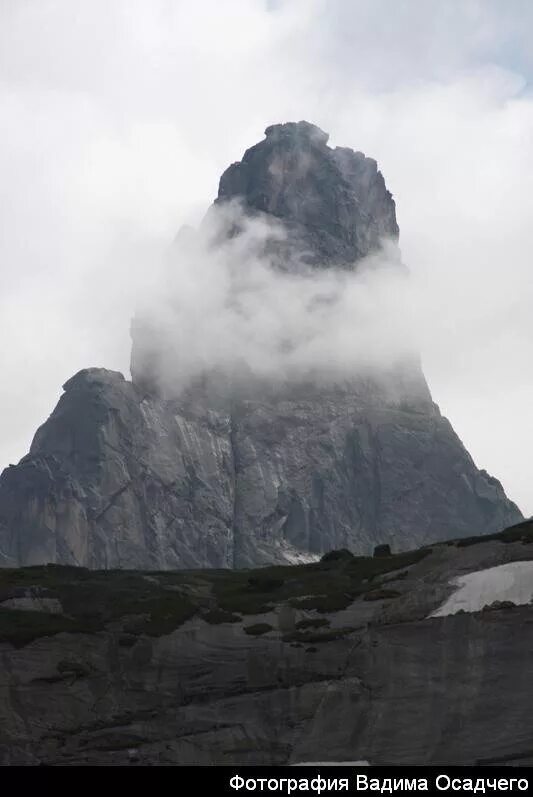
(113,480)
(248,474)
(393,688)
(333,202)
(118,479)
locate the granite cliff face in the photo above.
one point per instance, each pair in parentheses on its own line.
(124,475)
(333,202)
(339,660)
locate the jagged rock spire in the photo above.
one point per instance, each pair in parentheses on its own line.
(333,201)
(120,477)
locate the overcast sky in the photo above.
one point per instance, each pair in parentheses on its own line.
(117,118)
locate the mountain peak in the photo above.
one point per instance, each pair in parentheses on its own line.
(333,202)
(297,131)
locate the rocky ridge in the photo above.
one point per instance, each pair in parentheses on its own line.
(121,476)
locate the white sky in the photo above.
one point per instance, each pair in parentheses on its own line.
(117,118)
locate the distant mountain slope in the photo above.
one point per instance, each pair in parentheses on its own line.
(250,472)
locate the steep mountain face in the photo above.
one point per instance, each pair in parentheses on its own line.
(343,660)
(250,473)
(333,202)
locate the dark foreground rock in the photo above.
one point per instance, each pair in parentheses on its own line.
(275,666)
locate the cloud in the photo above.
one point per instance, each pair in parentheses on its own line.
(227,305)
(117,119)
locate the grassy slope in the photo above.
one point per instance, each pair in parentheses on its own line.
(156,603)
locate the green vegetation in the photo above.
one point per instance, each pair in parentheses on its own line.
(127,640)
(309,637)
(521,532)
(218,616)
(91,599)
(381,594)
(326,586)
(156,603)
(333,602)
(20,627)
(335,556)
(312,622)
(258,629)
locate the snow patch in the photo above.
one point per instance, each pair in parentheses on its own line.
(510,582)
(295,556)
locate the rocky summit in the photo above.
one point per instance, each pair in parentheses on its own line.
(124,475)
(333,202)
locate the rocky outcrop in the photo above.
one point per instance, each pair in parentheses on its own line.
(334,661)
(118,479)
(333,202)
(253,472)
(115,480)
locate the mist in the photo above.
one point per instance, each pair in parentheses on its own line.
(233,305)
(118,119)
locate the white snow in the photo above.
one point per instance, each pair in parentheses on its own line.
(510,582)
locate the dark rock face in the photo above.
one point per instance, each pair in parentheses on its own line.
(113,480)
(120,476)
(374,679)
(118,479)
(333,202)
